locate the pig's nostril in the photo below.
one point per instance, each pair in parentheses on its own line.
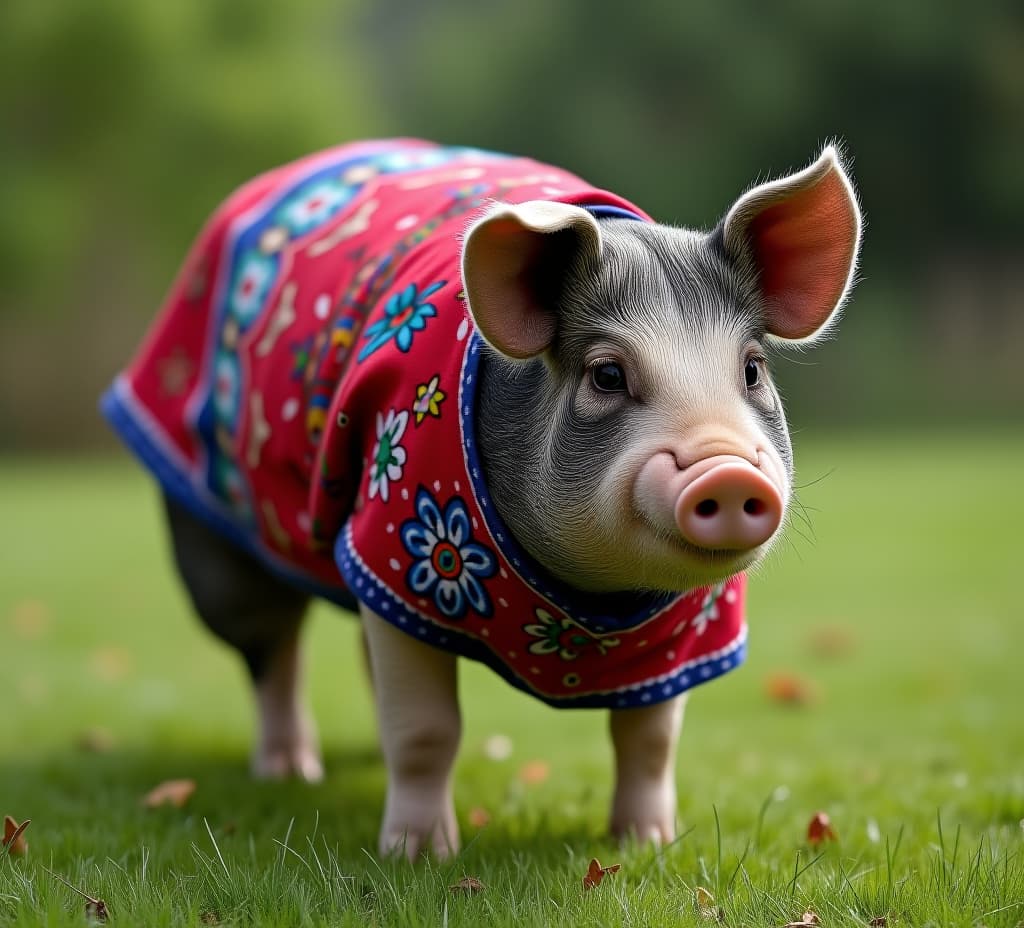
(707,507)
(754,507)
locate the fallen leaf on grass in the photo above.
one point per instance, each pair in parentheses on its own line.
(468,885)
(95,909)
(820,829)
(596,873)
(30,619)
(171,792)
(14,836)
(110,664)
(479,817)
(706,906)
(789,689)
(831,641)
(95,741)
(534,772)
(808,920)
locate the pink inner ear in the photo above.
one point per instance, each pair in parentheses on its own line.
(506,307)
(804,246)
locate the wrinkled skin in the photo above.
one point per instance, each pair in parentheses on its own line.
(632,440)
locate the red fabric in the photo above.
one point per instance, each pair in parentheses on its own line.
(309,388)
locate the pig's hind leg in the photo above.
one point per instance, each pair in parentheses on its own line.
(644,740)
(260,615)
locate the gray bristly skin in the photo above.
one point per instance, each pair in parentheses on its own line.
(686,316)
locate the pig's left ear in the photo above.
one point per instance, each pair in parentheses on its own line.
(514,265)
(802,234)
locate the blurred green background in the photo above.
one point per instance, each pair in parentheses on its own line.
(124,123)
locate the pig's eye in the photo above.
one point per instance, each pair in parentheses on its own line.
(752,373)
(608,377)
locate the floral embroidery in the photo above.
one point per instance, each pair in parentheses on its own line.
(429,397)
(388,457)
(313,205)
(404,314)
(564,637)
(448,564)
(252,283)
(226,386)
(708,609)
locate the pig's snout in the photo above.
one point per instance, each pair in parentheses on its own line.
(718,503)
(731,505)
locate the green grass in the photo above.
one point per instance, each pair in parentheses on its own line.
(913,743)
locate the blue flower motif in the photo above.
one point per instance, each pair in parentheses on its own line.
(404,313)
(253,277)
(313,204)
(447,563)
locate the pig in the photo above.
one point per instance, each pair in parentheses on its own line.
(500,413)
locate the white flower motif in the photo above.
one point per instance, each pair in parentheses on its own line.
(708,609)
(389,456)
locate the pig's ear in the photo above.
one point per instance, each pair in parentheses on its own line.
(802,234)
(514,263)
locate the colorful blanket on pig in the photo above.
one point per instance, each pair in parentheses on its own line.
(309,390)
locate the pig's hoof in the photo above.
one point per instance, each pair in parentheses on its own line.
(645,815)
(656,833)
(441,840)
(411,845)
(301,761)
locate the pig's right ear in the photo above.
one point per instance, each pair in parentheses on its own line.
(801,234)
(514,264)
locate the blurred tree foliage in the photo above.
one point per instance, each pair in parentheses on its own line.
(125,122)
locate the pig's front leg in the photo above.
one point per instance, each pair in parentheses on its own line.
(644,740)
(418,713)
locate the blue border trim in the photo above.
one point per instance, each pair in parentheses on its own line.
(583,608)
(386,603)
(608,211)
(177,485)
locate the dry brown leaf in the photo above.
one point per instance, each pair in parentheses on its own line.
(478,817)
(789,689)
(95,741)
(30,619)
(706,905)
(95,909)
(110,664)
(171,792)
(14,836)
(596,873)
(468,885)
(534,772)
(831,641)
(820,829)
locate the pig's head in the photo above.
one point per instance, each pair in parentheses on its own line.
(631,434)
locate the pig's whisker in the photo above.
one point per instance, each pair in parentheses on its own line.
(811,483)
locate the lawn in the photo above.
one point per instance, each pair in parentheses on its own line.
(897,623)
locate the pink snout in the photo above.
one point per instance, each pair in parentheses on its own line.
(731,506)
